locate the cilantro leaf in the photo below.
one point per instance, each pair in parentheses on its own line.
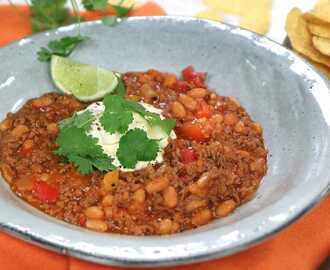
(136,107)
(84,165)
(109,20)
(48,14)
(62,47)
(165,124)
(82,120)
(95,4)
(116,121)
(74,140)
(82,150)
(103,164)
(121,10)
(66,123)
(102,4)
(135,146)
(120,89)
(116,116)
(153,118)
(44,55)
(114,103)
(65,45)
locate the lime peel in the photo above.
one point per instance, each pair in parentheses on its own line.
(85,82)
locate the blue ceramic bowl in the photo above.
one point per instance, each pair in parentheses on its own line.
(280,90)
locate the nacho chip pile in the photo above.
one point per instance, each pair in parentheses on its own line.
(309,34)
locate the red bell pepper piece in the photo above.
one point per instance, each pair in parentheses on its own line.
(45,192)
(195,78)
(181,86)
(187,155)
(193,131)
(203,110)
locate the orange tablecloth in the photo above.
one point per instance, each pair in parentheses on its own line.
(302,246)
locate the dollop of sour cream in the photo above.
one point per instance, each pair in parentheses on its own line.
(110,142)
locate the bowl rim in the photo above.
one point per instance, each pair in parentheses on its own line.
(175,254)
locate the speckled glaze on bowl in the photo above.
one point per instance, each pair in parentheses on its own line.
(279,89)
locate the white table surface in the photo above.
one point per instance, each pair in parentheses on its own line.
(191,7)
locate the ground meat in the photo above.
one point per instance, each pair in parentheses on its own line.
(215,164)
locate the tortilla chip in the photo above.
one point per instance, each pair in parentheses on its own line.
(322,11)
(210,15)
(324,69)
(256,23)
(322,45)
(301,38)
(320,14)
(310,17)
(225,6)
(322,4)
(319,30)
(253,15)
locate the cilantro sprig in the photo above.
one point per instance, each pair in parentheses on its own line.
(49,14)
(102,4)
(110,20)
(80,148)
(95,4)
(62,47)
(120,89)
(120,10)
(82,120)
(118,115)
(135,146)
(77,145)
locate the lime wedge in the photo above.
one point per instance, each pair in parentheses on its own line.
(85,82)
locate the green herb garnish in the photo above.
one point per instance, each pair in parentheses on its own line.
(109,20)
(120,89)
(83,150)
(80,148)
(118,115)
(95,4)
(135,146)
(82,120)
(62,47)
(49,14)
(153,118)
(120,10)
(102,4)
(166,124)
